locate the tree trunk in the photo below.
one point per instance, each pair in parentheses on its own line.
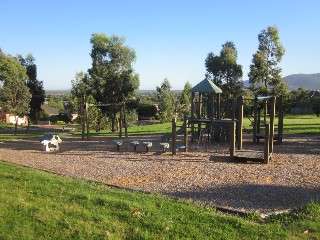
(16,126)
(113,119)
(27,131)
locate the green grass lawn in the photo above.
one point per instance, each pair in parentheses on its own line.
(292,124)
(39,205)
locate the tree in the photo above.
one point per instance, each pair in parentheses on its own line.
(316,106)
(35,87)
(301,98)
(265,74)
(166,102)
(184,106)
(226,74)
(112,77)
(14,94)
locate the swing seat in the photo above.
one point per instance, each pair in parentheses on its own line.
(135,144)
(118,143)
(147,145)
(164,146)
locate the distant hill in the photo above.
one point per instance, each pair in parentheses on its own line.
(295,81)
(307,81)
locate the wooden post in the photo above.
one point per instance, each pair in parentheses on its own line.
(266,143)
(218,106)
(83,117)
(87,120)
(185,139)
(200,105)
(272,116)
(212,107)
(280,121)
(240,122)
(232,139)
(234,110)
(120,121)
(192,117)
(255,119)
(125,119)
(174,136)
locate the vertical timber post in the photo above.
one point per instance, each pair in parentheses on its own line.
(192,117)
(232,139)
(255,119)
(185,139)
(266,144)
(272,117)
(240,122)
(87,120)
(83,117)
(280,120)
(174,136)
(218,106)
(120,120)
(125,119)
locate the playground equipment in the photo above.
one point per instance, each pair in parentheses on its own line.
(249,155)
(204,112)
(122,120)
(268,136)
(262,104)
(50,142)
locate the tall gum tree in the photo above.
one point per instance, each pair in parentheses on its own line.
(226,73)
(112,77)
(35,87)
(166,102)
(265,74)
(14,93)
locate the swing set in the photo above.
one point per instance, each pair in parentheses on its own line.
(122,120)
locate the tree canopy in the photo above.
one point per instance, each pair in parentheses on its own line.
(224,71)
(166,102)
(35,87)
(265,74)
(112,76)
(14,93)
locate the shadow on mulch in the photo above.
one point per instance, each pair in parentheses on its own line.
(253,198)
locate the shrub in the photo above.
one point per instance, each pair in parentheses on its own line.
(147,110)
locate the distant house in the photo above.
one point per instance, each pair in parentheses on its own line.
(11,119)
(50,110)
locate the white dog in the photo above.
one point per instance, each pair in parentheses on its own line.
(51,143)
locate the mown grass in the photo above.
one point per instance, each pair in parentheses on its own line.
(295,124)
(39,205)
(292,124)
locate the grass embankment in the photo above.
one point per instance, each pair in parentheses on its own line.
(39,205)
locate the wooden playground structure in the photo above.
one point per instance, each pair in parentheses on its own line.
(205,120)
(216,129)
(122,119)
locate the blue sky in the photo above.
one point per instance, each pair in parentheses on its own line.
(171,38)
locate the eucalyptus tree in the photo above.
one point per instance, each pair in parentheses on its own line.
(166,102)
(184,100)
(265,73)
(112,76)
(35,87)
(226,73)
(14,93)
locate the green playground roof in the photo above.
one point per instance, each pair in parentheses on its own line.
(206,86)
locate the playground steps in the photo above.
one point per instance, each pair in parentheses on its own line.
(249,155)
